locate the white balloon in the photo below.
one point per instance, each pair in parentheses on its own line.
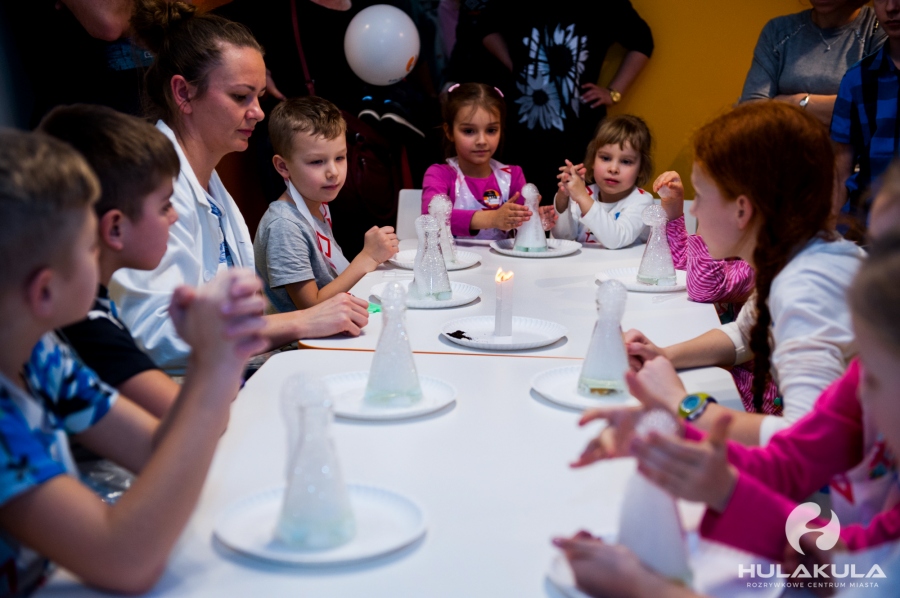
(381,44)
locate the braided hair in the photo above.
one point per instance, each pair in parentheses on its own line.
(782,161)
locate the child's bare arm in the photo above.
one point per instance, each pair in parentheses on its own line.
(151,389)
(381,244)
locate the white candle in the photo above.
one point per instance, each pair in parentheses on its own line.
(503,314)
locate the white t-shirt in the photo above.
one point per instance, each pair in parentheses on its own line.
(612,225)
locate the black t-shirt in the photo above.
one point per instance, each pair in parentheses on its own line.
(470,61)
(105,345)
(322,35)
(554,50)
(60,63)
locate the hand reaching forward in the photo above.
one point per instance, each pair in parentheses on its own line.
(657,386)
(343,313)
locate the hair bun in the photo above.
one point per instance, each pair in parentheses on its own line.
(153,19)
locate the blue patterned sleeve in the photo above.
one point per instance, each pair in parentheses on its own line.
(25,461)
(841,118)
(72,393)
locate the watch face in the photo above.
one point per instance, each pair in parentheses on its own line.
(690,403)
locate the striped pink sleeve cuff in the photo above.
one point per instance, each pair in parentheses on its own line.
(676,234)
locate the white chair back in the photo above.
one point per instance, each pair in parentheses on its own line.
(409,207)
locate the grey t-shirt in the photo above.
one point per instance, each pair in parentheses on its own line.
(793,55)
(285,251)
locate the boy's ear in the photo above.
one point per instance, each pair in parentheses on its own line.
(39,293)
(182,92)
(111,230)
(280,165)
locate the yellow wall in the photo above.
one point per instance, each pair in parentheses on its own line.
(702,54)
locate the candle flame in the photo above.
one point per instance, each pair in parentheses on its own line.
(503,276)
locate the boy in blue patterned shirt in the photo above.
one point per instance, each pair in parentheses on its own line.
(865,125)
(49,277)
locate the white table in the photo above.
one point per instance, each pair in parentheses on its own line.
(561,289)
(491,473)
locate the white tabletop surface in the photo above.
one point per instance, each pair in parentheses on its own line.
(490,471)
(558,289)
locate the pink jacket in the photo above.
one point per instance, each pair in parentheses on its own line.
(797,461)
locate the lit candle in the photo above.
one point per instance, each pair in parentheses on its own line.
(503,314)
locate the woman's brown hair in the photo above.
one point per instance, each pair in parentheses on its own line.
(470,96)
(620,130)
(781,159)
(185,43)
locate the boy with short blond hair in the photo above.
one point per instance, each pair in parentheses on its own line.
(135,164)
(48,240)
(295,251)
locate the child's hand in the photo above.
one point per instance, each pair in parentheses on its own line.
(670,189)
(573,179)
(510,215)
(640,349)
(603,569)
(614,440)
(342,314)
(381,244)
(549,216)
(222,320)
(657,385)
(695,471)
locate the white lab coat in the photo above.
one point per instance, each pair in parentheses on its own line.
(192,258)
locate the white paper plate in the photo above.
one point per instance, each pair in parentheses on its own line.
(555,248)
(528,333)
(347,391)
(628,277)
(385,523)
(560,386)
(464,259)
(462,293)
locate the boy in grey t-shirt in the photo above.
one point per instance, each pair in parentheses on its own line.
(295,252)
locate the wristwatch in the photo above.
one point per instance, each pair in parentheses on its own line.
(614,95)
(804,102)
(692,406)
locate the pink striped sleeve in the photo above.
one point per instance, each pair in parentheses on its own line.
(710,280)
(676,234)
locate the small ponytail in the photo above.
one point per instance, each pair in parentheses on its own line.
(152,20)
